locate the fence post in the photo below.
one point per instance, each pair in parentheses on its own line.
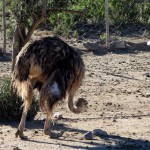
(107,23)
(4,25)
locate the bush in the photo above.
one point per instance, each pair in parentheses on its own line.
(10,103)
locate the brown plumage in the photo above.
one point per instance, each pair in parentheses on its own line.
(55,69)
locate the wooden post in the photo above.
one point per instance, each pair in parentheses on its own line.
(4,25)
(107,23)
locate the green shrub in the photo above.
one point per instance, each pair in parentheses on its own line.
(10,103)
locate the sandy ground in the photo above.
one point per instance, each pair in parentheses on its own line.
(117,87)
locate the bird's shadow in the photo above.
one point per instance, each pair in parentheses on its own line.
(110,141)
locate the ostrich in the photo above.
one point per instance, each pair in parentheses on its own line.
(56,70)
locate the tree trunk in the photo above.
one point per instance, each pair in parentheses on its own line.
(4,26)
(20,37)
(16,46)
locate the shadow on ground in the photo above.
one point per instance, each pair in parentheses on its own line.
(5,57)
(115,142)
(119,143)
(107,141)
(131,48)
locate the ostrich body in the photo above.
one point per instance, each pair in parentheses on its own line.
(55,69)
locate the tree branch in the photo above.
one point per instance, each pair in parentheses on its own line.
(45,12)
(35,24)
(83,12)
(22,38)
(44,9)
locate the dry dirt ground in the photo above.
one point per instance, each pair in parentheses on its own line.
(117,87)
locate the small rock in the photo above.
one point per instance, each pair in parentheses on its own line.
(16,148)
(58,115)
(88,136)
(118,44)
(91,46)
(80,138)
(35,131)
(148,43)
(147,95)
(147,74)
(114,120)
(99,132)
